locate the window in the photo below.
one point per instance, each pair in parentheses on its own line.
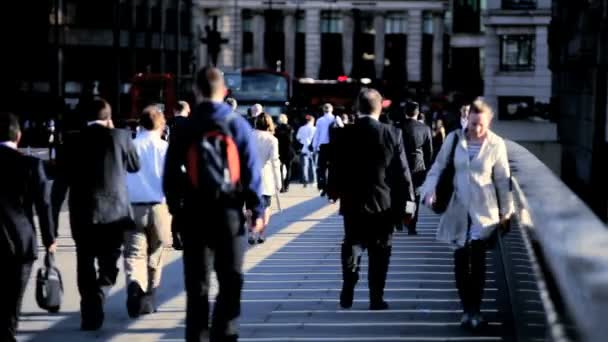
(427,23)
(395,23)
(518,4)
(247,26)
(331,22)
(517,53)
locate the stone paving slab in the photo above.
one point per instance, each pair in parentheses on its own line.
(291,290)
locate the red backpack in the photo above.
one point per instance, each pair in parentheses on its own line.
(212,162)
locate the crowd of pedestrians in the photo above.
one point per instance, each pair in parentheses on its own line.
(204,182)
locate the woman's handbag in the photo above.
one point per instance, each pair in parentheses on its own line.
(445,184)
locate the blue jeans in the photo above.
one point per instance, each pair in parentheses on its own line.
(308,168)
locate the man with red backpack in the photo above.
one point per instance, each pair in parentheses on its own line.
(218,157)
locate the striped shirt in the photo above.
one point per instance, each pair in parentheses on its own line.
(473,148)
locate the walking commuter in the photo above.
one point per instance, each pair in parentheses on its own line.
(284,134)
(95,168)
(23,186)
(419,151)
(307,162)
(320,143)
(372,198)
(213,233)
(268,153)
(253,113)
(145,245)
(481,202)
(179,126)
(180,118)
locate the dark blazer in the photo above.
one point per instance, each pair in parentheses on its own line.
(284,133)
(94,168)
(369,172)
(418,142)
(23,186)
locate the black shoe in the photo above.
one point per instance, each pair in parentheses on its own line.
(346,297)
(261,239)
(134,299)
(379,305)
(323,193)
(148,303)
(477,321)
(251,240)
(92,314)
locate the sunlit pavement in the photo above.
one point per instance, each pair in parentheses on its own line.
(291,291)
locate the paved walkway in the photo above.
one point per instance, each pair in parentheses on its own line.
(291,290)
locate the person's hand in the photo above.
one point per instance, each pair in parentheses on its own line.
(52,248)
(429,199)
(257,225)
(178,245)
(505,224)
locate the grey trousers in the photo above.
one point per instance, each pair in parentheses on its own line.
(144,245)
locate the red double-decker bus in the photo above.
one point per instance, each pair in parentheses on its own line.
(153,89)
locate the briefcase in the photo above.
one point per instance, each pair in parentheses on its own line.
(49,285)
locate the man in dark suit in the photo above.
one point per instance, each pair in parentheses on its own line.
(23,186)
(369,174)
(418,142)
(94,169)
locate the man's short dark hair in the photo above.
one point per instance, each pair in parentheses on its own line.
(9,127)
(98,109)
(369,101)
(209,80)
(411,107)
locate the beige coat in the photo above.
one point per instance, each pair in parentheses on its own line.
(477,186)
(268,155)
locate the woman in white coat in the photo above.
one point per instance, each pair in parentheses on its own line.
(481,203)
(268,154)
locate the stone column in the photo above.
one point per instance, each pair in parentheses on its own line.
(236,37)
(437,77)
(289,32)
(199,21)
(491,66)
(414,45)
(379,44)
(313,42)
(259,29)
(542,74)
(348,32)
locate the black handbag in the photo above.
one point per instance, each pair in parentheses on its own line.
(445,184)
(49,285)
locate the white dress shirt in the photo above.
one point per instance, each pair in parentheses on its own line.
(322,134)
(305,135)
(145,186)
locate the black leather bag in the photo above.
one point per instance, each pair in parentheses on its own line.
(445,184)
(49,285)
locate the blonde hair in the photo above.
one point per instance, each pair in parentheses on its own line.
(263,122)
(480,106)
(283,119)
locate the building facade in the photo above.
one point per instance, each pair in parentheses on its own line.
(77,46)
(517,75)
(394,40)
(579,65)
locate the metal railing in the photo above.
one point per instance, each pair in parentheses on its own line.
(567,246)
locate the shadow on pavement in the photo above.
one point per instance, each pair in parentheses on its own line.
(117,321)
